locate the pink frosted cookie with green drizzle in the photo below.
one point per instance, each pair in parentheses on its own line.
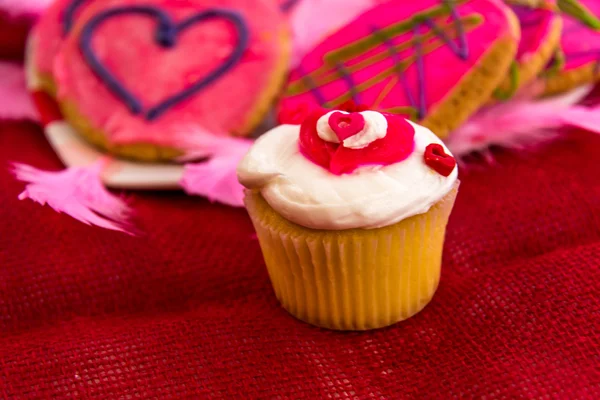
(147,79)
(434,61)
(576,62)
(541,26)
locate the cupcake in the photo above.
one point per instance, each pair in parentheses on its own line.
(350,208)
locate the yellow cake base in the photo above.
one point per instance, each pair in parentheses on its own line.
(353,279)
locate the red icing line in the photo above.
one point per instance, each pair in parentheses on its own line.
(396,146)
(47,107)
(346,125)
(437,158)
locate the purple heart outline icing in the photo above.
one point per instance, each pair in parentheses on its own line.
(166,36)
(69,15)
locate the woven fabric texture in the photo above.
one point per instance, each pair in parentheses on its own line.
(186,310)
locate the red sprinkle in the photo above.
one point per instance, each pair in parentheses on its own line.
(346,125)
(437,158)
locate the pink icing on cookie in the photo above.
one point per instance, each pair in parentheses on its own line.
(580,44)
(126,46)
(322,17)
(357,61)
(49,33)
(536,28)
(395,144)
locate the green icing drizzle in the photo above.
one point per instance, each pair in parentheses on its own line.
(578,11)
(558,62)
(501,94)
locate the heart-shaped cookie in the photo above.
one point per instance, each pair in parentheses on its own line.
(151,73)
(434,61)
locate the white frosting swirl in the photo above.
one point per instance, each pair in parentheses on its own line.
(375,128)
(370,197)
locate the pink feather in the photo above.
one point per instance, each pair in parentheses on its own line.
(15,102)
(583,118)
(515,124)
(216,178)
(312,20)
(28,7)
(200,143)
(77,192)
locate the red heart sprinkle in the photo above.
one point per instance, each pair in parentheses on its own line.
(437,158)
(346,125)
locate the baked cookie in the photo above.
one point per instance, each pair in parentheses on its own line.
(576,61)
(541,26)
(145,79)
(433,61)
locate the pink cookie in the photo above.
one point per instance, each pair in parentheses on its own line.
(540,34)
(147,78)
(433,61)
(576,62)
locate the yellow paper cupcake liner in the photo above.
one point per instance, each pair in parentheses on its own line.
(353,279)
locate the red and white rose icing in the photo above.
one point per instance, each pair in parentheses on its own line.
(353,168)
